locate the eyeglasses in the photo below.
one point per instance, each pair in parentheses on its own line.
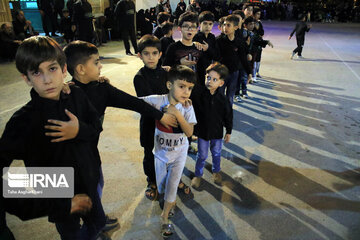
(189,28)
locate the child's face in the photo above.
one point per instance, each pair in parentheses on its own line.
(48,80)
(213,81)
(250,26)
(66,14)
(92,68)
(229,28)
(257,15)
(180,90)
(188,30)
(150,56)
(206,26)
(248,11)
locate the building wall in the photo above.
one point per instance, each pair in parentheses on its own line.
(5,15)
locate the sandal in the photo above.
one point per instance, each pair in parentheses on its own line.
(184,189)
(151,192)
(167,230)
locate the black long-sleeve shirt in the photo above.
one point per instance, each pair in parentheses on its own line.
(233,53)
(149,82)
(300,29)
(24,139)
(213,113)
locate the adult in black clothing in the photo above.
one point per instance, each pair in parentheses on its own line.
(8,42)
(82,20)
(180,8)
(194,7)
(48,16)
(159,7)
(22,27)
(300,28)
(124,14)
(58,7)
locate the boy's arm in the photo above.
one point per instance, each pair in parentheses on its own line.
(243,58)
(228,119)
(188,128)
(169,56)
(292,33)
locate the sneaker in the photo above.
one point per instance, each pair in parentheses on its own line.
(300,57)
(102,236)
(292,55)
(217,178)
(254,80)
(258,75)
(192,150)
(246,96)
(237,98)
(195,182)
(129,54)
(111,220)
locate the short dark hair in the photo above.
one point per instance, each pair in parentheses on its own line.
(35,50)
(256,10)
(167,27)
(249,20)
(206,16)
(149,41)
(221,21)
(232,18)
(239,12)
(246,5)
(78,52)
(188,17)
(181,72)
(163,17)
(221,69)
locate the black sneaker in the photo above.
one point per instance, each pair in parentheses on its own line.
(129,54)
(111,220)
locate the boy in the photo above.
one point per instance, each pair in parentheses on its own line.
(232,54)
(213,112)
(185,52)
(167,39)
(205,36)
(84,65)
(301,28)
(162,19)
(29,136)
(65,26)
(258,30)
(171,145)
(149,80)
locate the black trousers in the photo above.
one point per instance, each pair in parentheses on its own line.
(300,44)
(49,17)
(125,34)
(149,164)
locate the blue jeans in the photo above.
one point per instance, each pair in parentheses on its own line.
(243,81)
(203,148)
(230,85)
(94,221)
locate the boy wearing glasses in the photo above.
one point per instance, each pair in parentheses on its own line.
(213,112)
(185,52)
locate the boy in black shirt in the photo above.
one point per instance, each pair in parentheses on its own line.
(167,39)
(33,135)
(232,54)
(301,28)
(213,113)
(162,19)
(205,36)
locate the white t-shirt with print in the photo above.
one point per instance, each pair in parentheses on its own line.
(170,144)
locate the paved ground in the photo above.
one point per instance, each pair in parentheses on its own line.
(291,170)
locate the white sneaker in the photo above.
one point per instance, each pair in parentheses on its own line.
(254,80)
(237,98)
(292,55)
(300,57)
(246,96)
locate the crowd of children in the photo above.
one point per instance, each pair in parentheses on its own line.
(185,89)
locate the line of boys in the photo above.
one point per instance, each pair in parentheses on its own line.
(187,28)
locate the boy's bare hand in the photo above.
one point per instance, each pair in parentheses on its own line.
(185,61)
(227,138)
(249,57)
(289,37)
(103,79)
(187,103)
(65,130)
(171,109)
(66,87)
(166,68)
(168,120)
(205,46)
(80,203)
(270,44)
(249,78)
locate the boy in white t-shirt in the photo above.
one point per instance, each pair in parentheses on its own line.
(171,144)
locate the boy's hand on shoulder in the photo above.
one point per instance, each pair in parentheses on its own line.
(171,109)
(185,61)
(227,138)
(65,130)
(103,79)
(187,103)
(80,203)
(205,46)
(166,68)
(169,120)
(66,88)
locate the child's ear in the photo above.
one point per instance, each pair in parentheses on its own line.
(160,54)
(80,69)
(64,70)
(27,80)
(168,85)
(221,82)
(139,55)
